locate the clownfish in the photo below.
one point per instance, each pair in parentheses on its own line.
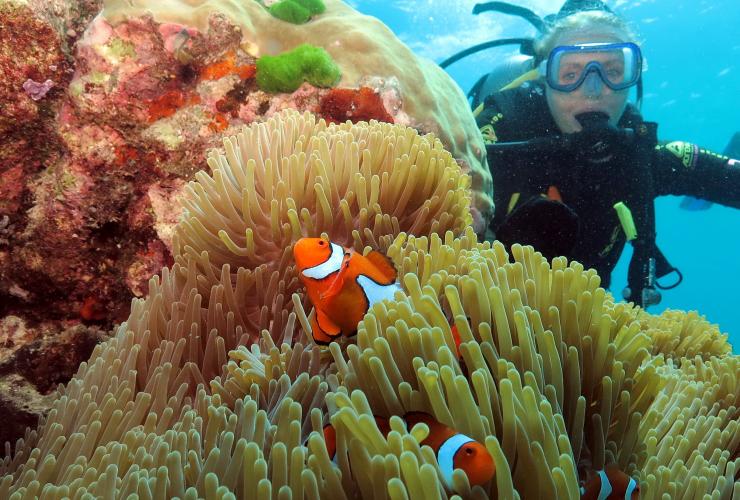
(455,450)
(452,449)
(610,484)
(456,338)
(330,435)
(342,285)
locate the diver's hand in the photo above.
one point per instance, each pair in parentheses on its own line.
(598,138)
(551,227)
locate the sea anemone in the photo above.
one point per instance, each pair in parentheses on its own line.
(213,388)
(292,176)
(679,334)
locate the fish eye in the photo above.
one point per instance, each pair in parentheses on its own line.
(322,243)
(469,450)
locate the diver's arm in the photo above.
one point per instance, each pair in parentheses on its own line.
(487,116)
(681,168)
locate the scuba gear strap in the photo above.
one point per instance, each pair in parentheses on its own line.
(597,136)
(512,10)
(647,263)
(526,45)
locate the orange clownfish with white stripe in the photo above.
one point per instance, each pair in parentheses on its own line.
(342,285)
(610,484)
(452,449)
(455,450)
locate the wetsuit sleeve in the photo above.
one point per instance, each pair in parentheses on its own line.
(487,117)
(681,168)
(511,184)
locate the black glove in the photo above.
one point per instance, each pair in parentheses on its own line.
(551,227)
(598,139)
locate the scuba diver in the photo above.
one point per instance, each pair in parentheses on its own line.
(575,167)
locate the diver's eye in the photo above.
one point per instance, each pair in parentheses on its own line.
(568,77)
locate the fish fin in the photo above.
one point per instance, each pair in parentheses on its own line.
(733,147)
(384,425)
(456,338)
(330,440)
(692,204)
(338,282)
(324,330)
(414,417)
(695,204)
(384,264)
(456,335)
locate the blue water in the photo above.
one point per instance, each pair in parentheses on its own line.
(691,89)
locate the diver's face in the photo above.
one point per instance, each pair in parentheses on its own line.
(592,95)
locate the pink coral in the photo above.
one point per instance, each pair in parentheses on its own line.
(176,35)
(36,90)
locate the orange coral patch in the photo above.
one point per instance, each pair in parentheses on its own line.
(363,104)
(166,105)
(247,71)
(126,154)
(217,70)
(227,66)
(219,123)
(92,310)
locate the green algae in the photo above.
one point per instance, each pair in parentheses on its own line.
(287,71)
(296,11)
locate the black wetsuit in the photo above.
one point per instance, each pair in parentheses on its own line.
(635,172)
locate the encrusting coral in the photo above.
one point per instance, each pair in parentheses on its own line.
(213,389)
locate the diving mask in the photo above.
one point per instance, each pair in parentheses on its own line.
(618,65)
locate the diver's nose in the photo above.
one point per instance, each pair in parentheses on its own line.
(592,85)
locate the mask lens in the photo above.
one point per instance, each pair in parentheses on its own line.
(618,65)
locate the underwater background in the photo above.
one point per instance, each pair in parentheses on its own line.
(690,89)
